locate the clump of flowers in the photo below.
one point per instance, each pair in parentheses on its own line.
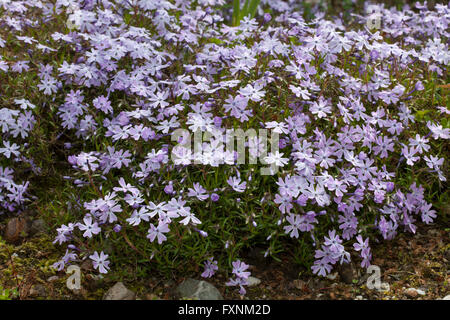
(240,276)
(363,135)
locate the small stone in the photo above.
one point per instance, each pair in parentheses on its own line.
(53,279)
(15,228)
(38,226)
(420,292)
(119,292)
(252,281)
(358,297)
(411,292)
(332,276)
(446,297)
(196,289)
(384,286)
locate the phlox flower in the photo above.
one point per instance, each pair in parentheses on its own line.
(100,262)
(210,268)
(236,184)
(158,232)
(90,228)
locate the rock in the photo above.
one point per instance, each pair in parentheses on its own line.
(53,279)
(359,298)
(420,292)
(384,286)
(332,276)
(38,290)
(346,273)
(446,297)
(15,229)
(196,289)
(411,292)
(252,281)
(38,226)
(119,292)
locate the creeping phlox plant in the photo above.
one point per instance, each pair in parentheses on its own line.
(361,121)
(15,126)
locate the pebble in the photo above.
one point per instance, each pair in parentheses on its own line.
(253,281)
(384,286)
(52,279)
(413,292)
(14,230)
(332,276)
(421,292)
(119,292)
(447,297)
(198,289)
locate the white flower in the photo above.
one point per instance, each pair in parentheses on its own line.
(276,158)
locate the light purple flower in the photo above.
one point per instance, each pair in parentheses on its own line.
(100,262)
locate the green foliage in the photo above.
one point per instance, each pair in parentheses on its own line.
(8,294)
